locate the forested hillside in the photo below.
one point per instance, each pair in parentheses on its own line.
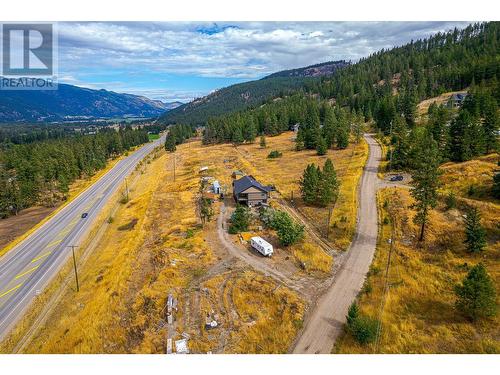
(40,171)
(249,94)
(384,87)
(231,99)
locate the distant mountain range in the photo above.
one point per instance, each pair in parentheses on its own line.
(243,95)
(71,102)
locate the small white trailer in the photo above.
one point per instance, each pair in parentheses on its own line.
(262,246)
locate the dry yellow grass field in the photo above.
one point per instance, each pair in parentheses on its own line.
(154,246)
(285,173)
(260,317)
(418,314)
(475,175)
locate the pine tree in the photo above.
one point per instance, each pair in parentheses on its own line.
(458,147)
(476,295)
(311,126)
(262,142)
(170,143)
(240,219)
(249,129)
(491,125)
(309,184)
(357,126)
(321,146)
(475,235)
(496,185)
(237,137)
(399,157)
(343,129)
(329,126)
(425,181)
(328,186)
(352,314)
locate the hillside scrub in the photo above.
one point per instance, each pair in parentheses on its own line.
(419,314)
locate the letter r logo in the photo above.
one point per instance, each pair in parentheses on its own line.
(27,49)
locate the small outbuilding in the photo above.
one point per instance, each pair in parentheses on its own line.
(216,187)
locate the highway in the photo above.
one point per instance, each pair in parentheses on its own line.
(28,267)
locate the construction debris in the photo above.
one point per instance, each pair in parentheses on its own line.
(171,307)
(181,346)
(211,321)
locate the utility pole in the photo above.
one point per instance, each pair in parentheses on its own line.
(126,188)
(330,210)
(74,265)
(174,165)
(390,158)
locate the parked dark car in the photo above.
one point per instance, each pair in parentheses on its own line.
(84,215)
(397,177)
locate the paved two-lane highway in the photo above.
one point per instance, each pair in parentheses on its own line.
(28,267)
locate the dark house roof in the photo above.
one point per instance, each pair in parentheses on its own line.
(459,96)
(246,182)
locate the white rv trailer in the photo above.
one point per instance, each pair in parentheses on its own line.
(262,246)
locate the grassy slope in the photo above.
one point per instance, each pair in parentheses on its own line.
(419,314)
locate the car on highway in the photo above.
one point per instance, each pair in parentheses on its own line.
(397,177)
(84,215)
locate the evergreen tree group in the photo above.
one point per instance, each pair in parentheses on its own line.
(40,172)
(319,187)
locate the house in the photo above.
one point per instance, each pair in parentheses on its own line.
(457,99)
(295,127)
(250,192)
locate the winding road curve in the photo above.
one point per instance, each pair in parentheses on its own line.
(29,266)
(326,321)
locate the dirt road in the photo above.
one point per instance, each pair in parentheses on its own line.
(326,321)
(257,263)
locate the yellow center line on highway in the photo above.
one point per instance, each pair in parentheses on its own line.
(54,243)
(66,231)
(25,273)
(41,256)
(10,290)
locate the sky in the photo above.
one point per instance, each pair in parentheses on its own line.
(180,61)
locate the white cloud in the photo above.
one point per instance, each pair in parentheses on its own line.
(224,50)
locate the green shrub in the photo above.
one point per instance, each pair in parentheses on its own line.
(240,219)
(274,154)
(450,201)
(289,232)
(362,328)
